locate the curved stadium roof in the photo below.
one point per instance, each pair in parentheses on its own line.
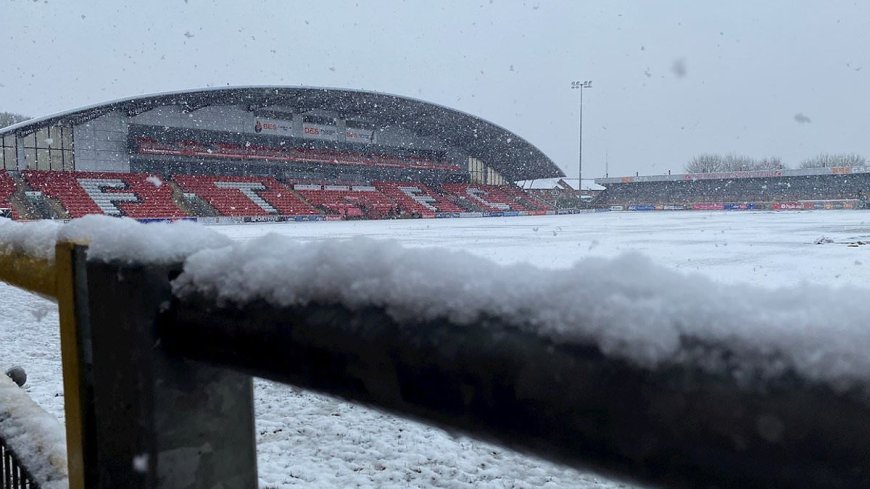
(509,154)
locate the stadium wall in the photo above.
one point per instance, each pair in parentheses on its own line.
(805,205)
(101,144)
(800,172)
(826,188)
(242,121)
(368,124)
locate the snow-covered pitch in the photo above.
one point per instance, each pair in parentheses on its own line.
(312,441)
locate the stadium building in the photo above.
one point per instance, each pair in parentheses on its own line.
(802,189)
(266,153)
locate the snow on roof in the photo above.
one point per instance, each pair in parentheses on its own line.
(629,306)
(556,183)
(36,437)
(507,152)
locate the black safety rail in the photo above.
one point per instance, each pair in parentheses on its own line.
(158,386)
(680,425)
(13,475)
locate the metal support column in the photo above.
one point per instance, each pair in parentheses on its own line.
(164,421)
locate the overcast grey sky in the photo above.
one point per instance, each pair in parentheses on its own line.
(671,79)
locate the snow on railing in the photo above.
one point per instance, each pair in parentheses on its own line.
(628,307)
(32,442)
(109,238)
(617,364)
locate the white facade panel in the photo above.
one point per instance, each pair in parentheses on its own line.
(216,118)
(101,144)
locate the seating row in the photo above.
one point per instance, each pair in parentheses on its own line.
(150,146)
(493,198)
(7,190)
(764,189)
(141,195)
(137,195)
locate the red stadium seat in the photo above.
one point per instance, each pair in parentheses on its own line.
(136,195)
(490,198)
(417,198)
(7,190)
(245,196)
(349,200)
(529,201)
(188,148)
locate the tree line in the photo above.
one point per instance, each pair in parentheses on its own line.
(717,163)
(9,118)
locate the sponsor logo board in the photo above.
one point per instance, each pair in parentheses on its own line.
(273,126)
(740,206)
(355,135)
(708,206)
(787,206)
(319,131)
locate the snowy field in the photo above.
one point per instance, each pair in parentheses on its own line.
(312,441)
(763,248)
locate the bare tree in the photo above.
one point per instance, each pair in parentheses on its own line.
(734,162)
(9,118)
(714,163)
(705,163)
(829,160)
(770,163)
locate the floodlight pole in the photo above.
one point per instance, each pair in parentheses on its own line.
(581,86)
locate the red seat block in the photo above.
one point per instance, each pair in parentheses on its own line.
(136,195)
(245,196)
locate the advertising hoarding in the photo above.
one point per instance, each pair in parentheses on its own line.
(356,135)
(319,131)
(264,125)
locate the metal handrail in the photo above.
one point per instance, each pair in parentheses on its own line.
(34,274)
(679,425)
(38,275)
(13,474)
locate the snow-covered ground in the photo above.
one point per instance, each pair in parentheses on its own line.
(312,441)
(764,248)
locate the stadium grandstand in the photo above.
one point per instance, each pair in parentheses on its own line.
(563,193)
(266,154)
(813,188)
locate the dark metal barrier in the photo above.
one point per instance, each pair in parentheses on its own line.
(14,475)
(153,419)
(156,390)
(678,426)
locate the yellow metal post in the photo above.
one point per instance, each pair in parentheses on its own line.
(36,275)
(65,269)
